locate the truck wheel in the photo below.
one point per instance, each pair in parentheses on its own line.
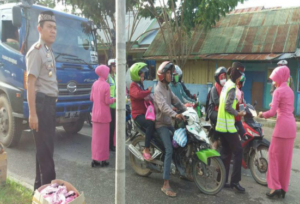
(10,127)
(74,127)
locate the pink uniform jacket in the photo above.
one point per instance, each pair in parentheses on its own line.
(100,95)
(283,104)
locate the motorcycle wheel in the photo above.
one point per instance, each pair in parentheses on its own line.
(259,173)
(215,171)
(137,165)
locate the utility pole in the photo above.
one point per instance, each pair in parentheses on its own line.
(120,118)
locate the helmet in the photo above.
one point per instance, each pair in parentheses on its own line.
(136,69)
(282,63)
(243,79)
(218,72)
(177,71)
(163,68)
(111,62)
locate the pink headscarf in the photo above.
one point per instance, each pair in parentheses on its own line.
(280,75)
(102,71)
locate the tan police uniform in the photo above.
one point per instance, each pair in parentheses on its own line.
(40,62)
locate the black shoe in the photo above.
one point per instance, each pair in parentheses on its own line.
(283,193)
(238,187)
(95,164)
(113,149)
(277,193)
(104,163)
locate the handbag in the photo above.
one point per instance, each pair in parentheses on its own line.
(180,137)
(150,113)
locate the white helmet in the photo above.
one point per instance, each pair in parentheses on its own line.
(282,63)
(111,62)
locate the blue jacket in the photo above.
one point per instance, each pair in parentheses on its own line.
(177,89)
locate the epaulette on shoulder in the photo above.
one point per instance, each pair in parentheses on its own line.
(38,46)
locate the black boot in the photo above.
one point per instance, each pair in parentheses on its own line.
(95,164)
(277,193)
(238,187)
(104,163)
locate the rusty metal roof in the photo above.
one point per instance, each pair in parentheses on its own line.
(264,32)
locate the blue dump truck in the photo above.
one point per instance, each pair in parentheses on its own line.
(76,59)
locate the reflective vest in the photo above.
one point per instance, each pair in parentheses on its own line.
(226,121)
(112,84)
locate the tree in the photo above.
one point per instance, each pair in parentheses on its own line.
(47,3)
(180,20)
(102,12)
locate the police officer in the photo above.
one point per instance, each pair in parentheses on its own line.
(42,91)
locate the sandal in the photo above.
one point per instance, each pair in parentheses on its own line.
(146,156)
(169,192)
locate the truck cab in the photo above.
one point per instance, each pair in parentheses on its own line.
(76,59)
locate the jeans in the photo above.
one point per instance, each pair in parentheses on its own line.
(231,144)
(166,137)
(148,125)
(240,128)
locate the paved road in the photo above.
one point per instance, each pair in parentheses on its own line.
(72,159)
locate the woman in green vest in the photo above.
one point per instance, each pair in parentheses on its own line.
(226,129)
(112,83)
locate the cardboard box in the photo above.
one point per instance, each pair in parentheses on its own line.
(39,199)
(3,168)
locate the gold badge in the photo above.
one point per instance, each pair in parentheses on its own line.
(50,74)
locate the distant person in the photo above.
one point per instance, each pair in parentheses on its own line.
(290,81)
(112,83)
(282,143)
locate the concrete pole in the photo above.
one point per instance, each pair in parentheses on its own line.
(120,118)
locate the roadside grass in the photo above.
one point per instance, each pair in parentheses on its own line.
(14,193)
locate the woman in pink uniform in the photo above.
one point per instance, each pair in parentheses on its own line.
(282,143)
(100,96)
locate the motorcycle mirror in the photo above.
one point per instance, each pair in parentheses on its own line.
(255,103)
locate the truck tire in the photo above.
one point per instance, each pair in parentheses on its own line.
(74,127)
(10,127)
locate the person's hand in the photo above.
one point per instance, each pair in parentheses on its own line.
(194,97)
(260,115)
(175,109)
(180,117)
(150,88)
(188,105)
(241,113)
(33,122)
(270,104)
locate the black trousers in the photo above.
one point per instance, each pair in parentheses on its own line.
(112,126)
(44,140)
(148,125)
(231,144)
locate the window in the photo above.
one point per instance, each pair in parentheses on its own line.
(10,35)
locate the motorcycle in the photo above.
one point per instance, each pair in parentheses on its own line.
(195,159)
(129,124)
(255,147)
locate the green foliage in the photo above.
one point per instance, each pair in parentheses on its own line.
(47,3)
(13,192)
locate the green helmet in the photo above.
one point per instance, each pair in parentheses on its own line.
(136,69)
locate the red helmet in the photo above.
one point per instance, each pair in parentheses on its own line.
(163,68)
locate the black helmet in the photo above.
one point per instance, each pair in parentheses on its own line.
(218,72)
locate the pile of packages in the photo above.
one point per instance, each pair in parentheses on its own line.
(58,194)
